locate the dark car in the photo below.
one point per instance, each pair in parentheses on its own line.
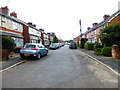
(33,50)
(53,46)
(72,45)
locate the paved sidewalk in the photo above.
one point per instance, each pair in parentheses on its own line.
(109,61)
(10,62)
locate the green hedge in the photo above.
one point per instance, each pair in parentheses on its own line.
(106,51)
(78,45)
(97,51)
(89,46)
(81,45)
(8,43)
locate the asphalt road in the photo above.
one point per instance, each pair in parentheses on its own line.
(62,68)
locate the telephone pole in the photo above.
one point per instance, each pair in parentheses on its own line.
(80,28)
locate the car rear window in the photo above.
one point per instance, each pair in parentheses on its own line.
(72,43)
(30,46)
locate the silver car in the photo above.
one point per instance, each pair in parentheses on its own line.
(33,50)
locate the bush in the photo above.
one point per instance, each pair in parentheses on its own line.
(8,43)
(81,45)
(97,48)
(110,35)
(89,46)
(97,51)
(77,44)
(106,51)
(83,40)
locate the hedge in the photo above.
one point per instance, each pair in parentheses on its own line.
(106,51)
(89,46)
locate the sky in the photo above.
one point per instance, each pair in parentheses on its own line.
(62,16)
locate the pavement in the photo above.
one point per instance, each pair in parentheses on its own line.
(108,62)
(12,62)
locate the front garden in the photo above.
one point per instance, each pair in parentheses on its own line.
(110,42)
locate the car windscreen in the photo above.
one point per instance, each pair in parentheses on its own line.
(30,46)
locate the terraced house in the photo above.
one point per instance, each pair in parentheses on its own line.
(21,31)
(92,33)
(11,26)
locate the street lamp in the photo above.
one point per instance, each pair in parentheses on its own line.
(80,29)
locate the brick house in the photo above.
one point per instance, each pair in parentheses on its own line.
(92,33)
(11,26)
(20,31)
(77,39)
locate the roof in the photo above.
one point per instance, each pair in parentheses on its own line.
(12,18)
(103,22)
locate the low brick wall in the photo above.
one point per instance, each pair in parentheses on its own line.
(4,55)
(115,52)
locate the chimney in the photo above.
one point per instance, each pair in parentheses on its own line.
(5,10)
(88,28)
(106,16)
(34,25)
(94,24)
(13,14)
(30,23)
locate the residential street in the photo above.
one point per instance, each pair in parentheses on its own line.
(62,68)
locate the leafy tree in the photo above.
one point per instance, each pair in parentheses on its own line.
(70,41)
(55,39)
(110,35)
(8,43)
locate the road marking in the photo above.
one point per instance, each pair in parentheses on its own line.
(13,66)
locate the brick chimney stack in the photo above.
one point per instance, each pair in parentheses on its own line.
(106,16)
(94,24)
(88,28)
(13,14)
(30,23)
(4,10)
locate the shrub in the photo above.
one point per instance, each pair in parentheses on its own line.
(89,46)
(82,45)
(97,51)
(78,45)
(8,43)
(106,51)
(110,35)
(83,40)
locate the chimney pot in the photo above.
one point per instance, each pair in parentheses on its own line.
(106,16)
(94,24)
(13,14)
(4,9)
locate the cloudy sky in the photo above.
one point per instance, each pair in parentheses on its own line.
(62,16)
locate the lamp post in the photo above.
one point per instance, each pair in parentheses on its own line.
(80,29)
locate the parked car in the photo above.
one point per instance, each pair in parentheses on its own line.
(53,46)
(33,50)
(72,45)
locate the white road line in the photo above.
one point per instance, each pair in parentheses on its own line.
(12,66)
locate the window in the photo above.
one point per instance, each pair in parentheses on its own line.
(15,26)
(30,46)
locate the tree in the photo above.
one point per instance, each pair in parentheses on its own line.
(8,43)
(110,35)
(55,39)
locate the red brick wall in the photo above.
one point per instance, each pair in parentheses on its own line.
(26,34)
(115,20)
(42,37)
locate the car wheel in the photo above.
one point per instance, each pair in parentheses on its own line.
(22,57)
(46,53)
(38,56)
